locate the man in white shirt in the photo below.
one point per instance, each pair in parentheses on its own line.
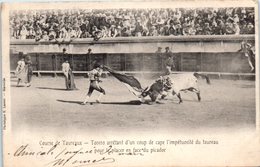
(65,70)
(20,71)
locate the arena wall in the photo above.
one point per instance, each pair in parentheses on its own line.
(210,54)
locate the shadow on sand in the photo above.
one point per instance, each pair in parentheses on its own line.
(133,102)
(69,101)
(52,88)
(18,86)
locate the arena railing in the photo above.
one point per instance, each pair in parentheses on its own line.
(215,75)
(137,39)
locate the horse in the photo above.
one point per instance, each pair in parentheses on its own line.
(160,85)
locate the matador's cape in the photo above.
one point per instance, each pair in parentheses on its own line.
(131,82)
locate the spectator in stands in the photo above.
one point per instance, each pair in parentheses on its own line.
(250,29)
(119,31)
(63,33)
(126,21)
(96,33)
(31,33)
(185,29)
(15,30)
(112,32)
(153,31)
(229,28)
(23,32)
(236,19)
(145,32)
(78,32)
(104,32)
(177,14)
(221,29)
(207,30)
(198,29)
(45,36)
(214,27)
(52,34)
(84,26)
(172,29)
(85,34)
(250,18)
(236,29)
(163,30)
(126,32)
(178,28)
(243,27)
(71,33)
(138,28)
(192,30)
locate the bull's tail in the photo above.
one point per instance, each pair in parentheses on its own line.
(197,75)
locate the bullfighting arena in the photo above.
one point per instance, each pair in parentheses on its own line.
(226,105)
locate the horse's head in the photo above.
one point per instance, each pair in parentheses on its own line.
(145,92)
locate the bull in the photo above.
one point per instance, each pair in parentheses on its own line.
(175,83)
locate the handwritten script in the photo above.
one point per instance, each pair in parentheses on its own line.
(67,156)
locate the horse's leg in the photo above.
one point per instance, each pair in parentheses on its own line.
(173,93)
(179,96)
(199,98)
(197,91)
(156,98)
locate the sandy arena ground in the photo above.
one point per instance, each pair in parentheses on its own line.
(226,105)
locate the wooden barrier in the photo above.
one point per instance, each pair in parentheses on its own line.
(216,54)
(208,62)
(212,75)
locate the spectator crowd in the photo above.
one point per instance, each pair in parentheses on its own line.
(48,25)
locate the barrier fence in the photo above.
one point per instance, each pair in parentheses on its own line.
(212,55)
